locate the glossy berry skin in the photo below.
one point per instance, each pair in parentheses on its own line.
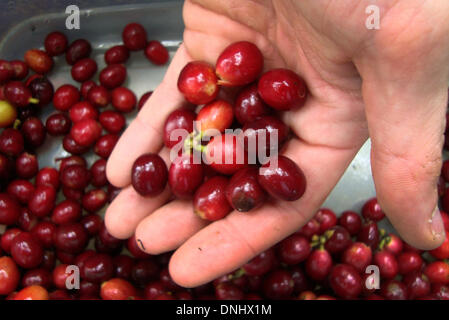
(282,89)
(81,111)
(225,154)
(318,264)
(117,289)
(393,244)
(177,126)
(156,52)
(210,201)
(32,293)
(94,200)
(358,255)
(65,97)
(75,177)
(66,212)
(92,224)
(38,61)
(85,88)
(21,190)
(134,36)
(326,218)
(98,173)
(387,264)
(99,96)
(97,268)
(294,249)
(284,181)
(9,209)
(311,228)
(418,285)
(70,161)
(113,76)
(44,231)
(134,249)
(8,114)
(86,132)
(217,115)
(372,211)
(239,64)
(437,272)
(123,99)
(55,43)
(149,175)
(351,221)
(369,234)
(244,192)
(112,121)
(442,252)
(34,133)
(20,69)
(105,144)
(58,124)
(260,264)
(84,69)
(72,147)
(60,276)
(7,237)
(338,239)
(264,136)
(185,176)
(394,290)
(18,94)
(198,82)
(26,250)
(249,106)
(153,290)
(11,142)
(143,99)
(116,55)
(345,281)
(42,201)
(6,71)
(70,238)
(9,275)
(278,285)
(78,49)
(41,89)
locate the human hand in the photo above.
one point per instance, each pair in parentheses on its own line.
(388,84)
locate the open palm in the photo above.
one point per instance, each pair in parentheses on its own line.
(388,84)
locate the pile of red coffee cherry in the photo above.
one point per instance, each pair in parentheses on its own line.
(226,153)
(50,217)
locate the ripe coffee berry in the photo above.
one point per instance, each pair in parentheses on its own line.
(210,201)
(113,76)
(78,49)
(156,52)
(372,210)
(112,121)
(149,175)
(84,69)
(82,110)
(55,43)
(65,97)
(58,124)
(198,82)
(86,132)
(239,64)
(116,55)
(134,36)
(38,61)
(26,250)
(123,99)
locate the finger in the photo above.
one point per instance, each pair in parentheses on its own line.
(205,38)
(405,110)
(144,134)
(228,243)
(129,208)
(176,219)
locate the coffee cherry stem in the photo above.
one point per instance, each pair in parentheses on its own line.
(34,101)
(17,124)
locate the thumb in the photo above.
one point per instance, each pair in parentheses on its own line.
(406,100)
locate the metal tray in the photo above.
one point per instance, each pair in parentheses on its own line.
(163,21)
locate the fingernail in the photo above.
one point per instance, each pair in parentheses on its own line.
(436,224)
